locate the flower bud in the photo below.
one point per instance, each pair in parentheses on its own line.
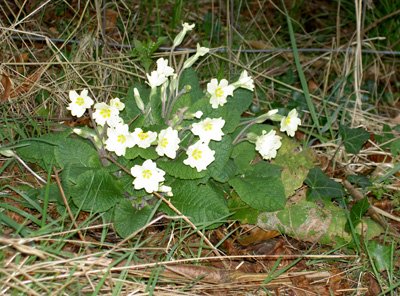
(179,38)
(138,99)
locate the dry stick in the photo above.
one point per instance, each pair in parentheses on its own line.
(375,215)
(71,216)
(187,220)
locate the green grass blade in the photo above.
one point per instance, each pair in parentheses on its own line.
(299,68)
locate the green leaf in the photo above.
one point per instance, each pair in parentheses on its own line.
(127,219)
(353,138)
(356,213)
(261,188)
(296,163)
(241,210)
(41,150)
(148,153)
(395,147)
(76,151)
(358,180)
(227,172)
(96,191)
(200,203)
(177,169)
(320,186)
(243,154)
(241,99)
(380,254)
(385,136)
(223,151)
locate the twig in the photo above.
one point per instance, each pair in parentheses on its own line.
(71,216)
(375,215)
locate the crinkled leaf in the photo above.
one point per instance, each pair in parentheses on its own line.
(357,212)
(353,138)
(96,191)
(313,222)
(320,186)
(227,172)
(200,203)
(261,188)
(380,254)
(134,152)
(241,99)
(76,151)
(223,151)
(127,219)
(177,169)
(243,154)
(41,150)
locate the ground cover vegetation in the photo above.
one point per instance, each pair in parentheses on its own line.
(173,147)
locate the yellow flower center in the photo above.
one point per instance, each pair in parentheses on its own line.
(80,101)
(147,174)
(143,136)
(164,142)
(219,92)
(121,139)
(196,154)
(207,126)
(105,113)
(287,120)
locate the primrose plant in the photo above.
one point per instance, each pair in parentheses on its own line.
(170,137)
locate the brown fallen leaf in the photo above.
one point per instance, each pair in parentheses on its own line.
(257,235)
(6,87)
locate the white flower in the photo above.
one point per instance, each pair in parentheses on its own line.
(163,68)
(290,123)
(168,142)
(199,156)
(219,92)
(209,129)
(119,138)
(155,79)
(198,114)
(268,144)
(144,139)
(245,81)
(79,102)
(166,189)
(105,114)
(147,176)
(179,38)
(116,103)
(201,51)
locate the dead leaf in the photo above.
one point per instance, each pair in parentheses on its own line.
(202,273)
(257,235)
(6,87)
